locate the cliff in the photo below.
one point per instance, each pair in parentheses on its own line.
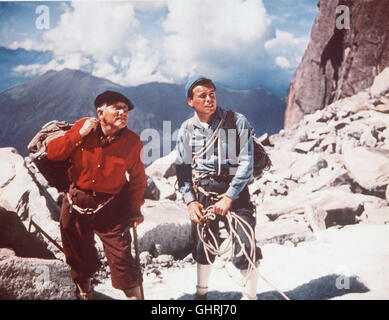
(349,46)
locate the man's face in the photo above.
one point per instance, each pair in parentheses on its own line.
(204,100)
(115,115)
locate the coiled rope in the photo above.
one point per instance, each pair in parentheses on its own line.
(211,246)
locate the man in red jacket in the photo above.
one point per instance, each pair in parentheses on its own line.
(102,152)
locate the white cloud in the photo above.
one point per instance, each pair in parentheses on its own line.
(286,47)
(150,5)
(213,35)
(27,45)
(92,30)
(105,37)
(282,62)
(220,24)
(29,70)
(73,61)
(231,41)
(141,68)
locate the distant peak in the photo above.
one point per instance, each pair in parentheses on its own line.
(64,71)
(72,70)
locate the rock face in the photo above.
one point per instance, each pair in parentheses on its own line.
(340,62)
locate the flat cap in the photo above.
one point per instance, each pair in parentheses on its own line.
(111,97)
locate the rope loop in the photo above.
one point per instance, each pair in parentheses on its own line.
(211,245)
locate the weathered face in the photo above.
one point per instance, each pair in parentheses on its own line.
(115,115)
(204,100)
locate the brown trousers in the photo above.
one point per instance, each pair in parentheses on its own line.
(111,226)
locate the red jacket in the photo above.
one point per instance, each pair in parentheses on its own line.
(102,167)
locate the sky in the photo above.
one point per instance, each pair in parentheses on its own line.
(240,44)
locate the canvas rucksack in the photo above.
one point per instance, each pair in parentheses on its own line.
(55,172)
(262,160)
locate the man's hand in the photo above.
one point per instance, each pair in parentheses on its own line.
(195,214)
(136,220)
(222,206)
(89,125)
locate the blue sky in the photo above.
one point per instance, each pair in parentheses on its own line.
(241,44)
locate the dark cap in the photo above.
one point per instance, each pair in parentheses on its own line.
(111,97)
(193,82)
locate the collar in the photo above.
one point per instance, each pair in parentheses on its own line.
(216,117)
(106,140)
(204,125)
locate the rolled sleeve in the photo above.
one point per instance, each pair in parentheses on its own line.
(188,194)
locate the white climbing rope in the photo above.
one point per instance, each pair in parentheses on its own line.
(211,246)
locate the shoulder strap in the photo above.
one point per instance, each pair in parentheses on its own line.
(231,124)
(230,119)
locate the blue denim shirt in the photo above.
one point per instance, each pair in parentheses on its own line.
(192,136)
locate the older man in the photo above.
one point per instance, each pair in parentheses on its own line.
(100,200)
(221,174)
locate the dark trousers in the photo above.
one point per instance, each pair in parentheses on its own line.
(243,208)
(111,226)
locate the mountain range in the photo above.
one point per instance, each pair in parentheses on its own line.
(68,95)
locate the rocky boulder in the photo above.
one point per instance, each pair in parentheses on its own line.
(368,167)
(34,279)
(381,84)
(152,192)
(163,167)
(28,270)
(167,225)
(162,172)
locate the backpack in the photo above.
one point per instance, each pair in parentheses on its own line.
(55,172)
(262,160)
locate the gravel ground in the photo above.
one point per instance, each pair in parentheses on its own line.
(341,263)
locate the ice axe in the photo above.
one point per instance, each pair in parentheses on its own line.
(137,256)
